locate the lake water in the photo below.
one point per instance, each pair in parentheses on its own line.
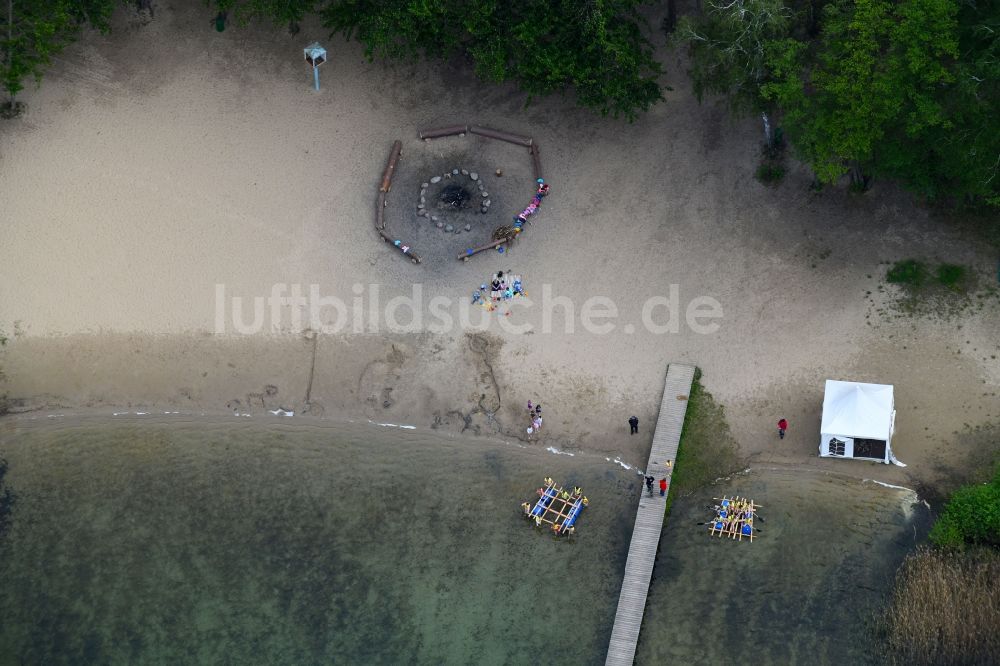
(805,592)
(285,542)
(291,544)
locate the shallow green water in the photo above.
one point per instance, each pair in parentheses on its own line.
(805,592)
(242,542)
(227,542)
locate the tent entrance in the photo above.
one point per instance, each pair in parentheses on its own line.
(869,448)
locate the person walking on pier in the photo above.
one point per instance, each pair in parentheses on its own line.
(633,424)
(663,486)
(649,485)
(782,427)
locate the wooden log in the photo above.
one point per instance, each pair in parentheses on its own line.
(536,160)
(476,250)
(380,211)
(414,257)
(443,131)
(390,168)
(518,139)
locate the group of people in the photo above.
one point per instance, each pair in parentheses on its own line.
(535,416)
(663,485)
(501,288)
(564,495)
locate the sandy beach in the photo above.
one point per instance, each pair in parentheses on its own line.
(163,160)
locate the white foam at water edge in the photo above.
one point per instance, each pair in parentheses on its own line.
(552,449)
(279,412)
(118,413)
(141,413)
(55,416)
(394,425)
(625,465)
(889,485)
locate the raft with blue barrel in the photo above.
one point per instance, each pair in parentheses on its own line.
(573,513)
(556,508)
(544,501)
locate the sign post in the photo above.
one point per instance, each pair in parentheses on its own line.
(315,55)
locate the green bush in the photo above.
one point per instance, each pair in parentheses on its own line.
(951,275)
(770,174)
(909,272)
(971,516)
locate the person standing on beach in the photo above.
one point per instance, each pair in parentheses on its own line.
(633,424)
(782,427)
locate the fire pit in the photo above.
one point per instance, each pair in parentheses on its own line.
(454,200)
(453,196)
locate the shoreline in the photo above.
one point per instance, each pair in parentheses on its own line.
(462,386)
(99,417)
(109,265)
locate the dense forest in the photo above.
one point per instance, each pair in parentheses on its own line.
(901,89)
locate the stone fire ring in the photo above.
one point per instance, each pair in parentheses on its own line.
(479,199)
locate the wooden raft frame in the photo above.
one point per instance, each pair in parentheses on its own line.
(740,513)
(556,516)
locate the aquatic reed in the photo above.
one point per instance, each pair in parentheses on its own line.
(945,609)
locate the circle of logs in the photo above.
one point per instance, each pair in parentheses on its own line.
(501,235)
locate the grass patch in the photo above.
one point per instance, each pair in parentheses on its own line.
(944,289)
(952,276)
(770,173)
(916,274)
(909,272)
(945,609)
(707,449)
(772,165)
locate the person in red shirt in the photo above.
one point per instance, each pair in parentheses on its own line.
(663,486)
(782,427)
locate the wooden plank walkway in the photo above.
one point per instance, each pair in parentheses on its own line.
(649,517)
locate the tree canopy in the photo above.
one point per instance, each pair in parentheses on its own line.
(901,88)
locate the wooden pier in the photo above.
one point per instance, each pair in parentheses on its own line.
(649,517)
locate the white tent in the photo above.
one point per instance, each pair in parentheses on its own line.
(858,421)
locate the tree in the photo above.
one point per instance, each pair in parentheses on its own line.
(967,153)
(32,31)
(872,91)
(729,47)
(908,89)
